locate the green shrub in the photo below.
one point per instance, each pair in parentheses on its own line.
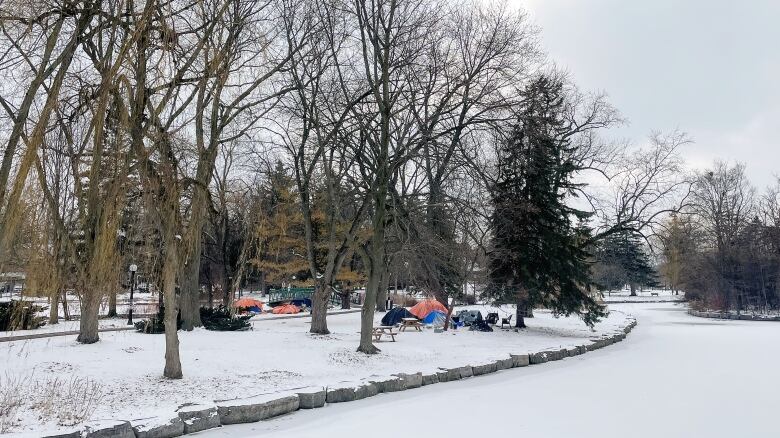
(20,315)
(156,324)
(222,319)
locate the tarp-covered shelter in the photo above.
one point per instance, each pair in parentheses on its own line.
(286,308)
(436,318)
(250,304)
(395,315)
(423,308)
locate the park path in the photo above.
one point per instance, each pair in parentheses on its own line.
(675,376)
(23,335)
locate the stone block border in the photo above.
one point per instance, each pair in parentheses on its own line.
(728,315)
(193,418)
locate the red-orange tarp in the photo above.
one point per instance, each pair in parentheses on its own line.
(423,308)
(248,302)
(287,308)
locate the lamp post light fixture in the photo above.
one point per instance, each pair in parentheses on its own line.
(133,268)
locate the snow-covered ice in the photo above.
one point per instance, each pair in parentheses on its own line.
(675,376)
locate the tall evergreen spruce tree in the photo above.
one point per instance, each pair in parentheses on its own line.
(536,256)
(622,260)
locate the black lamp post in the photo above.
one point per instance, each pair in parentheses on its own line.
(133,268)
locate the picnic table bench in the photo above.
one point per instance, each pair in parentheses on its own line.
(386,330)
(653,294)
(410,322)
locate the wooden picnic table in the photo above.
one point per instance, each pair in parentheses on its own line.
(410,322)
(386,330)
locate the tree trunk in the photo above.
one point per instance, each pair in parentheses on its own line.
(633,289)
(381,295)
(64,300)
(319,307)
(345,303)
(450,309)
(88,323)
(372,287)
(53,308)
(367,316)
(520,314)
(172,363)
(112,304)
(190,293)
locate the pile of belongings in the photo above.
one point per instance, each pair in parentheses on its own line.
(469,317)
(481,326)
(286,308)
(395,315)
(249,305)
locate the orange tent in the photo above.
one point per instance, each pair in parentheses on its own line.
(286,308)
(248,302)
(423,308)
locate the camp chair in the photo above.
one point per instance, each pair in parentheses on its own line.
(507,321)
(492,318)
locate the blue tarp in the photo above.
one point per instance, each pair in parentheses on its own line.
(435,317)
(395,315)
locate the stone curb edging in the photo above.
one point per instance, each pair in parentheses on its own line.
(727,315)
(193,418)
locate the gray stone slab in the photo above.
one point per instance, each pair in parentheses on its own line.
(350,392)
(311,397)
(388,384)
(465,371)
(366,390)
(485,368)
(504,364)
(410,381)
(430,378)
(250,410)
(158,427)
(448,374)
(197,417)
(542,356)
(520,360)
(108,429)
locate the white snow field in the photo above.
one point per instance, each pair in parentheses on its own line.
(674,376)
(125,368)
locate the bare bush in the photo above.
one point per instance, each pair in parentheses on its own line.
(65,401)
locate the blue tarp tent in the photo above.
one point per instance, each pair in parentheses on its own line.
(435,317)
(395,315)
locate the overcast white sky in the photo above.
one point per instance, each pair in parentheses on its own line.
(708,67)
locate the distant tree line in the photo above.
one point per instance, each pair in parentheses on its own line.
(723,249)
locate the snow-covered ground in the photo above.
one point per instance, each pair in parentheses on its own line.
(674,376)
(124,369)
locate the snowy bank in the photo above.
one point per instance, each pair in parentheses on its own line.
(733,315)
(274,369)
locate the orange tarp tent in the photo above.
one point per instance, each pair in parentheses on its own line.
(287,308)
(248,302)
(423,308)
